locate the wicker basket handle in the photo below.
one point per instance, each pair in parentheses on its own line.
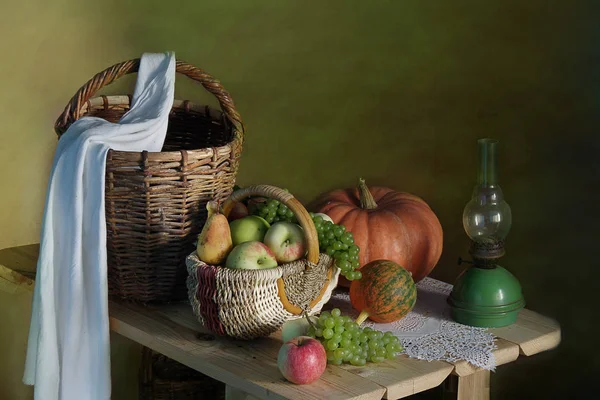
(293,204)
(72,111)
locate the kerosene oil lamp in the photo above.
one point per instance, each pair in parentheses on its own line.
(486,294)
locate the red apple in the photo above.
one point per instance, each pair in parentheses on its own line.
(251,255)
(302,360)
(238,211)
(254,202)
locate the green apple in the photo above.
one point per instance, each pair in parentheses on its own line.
(296,327)
(251,255)
(248,229)
(286,240)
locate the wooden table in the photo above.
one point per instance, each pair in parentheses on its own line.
(249,368)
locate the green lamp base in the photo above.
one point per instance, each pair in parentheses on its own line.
(486,297)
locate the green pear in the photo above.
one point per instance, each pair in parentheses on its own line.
(214,242)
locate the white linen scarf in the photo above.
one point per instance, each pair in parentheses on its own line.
(68,351)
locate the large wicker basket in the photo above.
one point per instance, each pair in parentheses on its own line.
(246,304)
(156,202)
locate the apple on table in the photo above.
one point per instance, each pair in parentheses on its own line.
(302,360)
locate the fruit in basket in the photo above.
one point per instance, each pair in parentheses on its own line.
(274,211)
(302,360)
(324,216)
(248,229)
(387,224)
(347,342)
(254,203)
(238,211)
(251,255)
(338,243)
(333,239)
(386,292)
(214,241)
(286,240)
(250,202)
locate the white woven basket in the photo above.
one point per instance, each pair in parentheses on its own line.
(246,304)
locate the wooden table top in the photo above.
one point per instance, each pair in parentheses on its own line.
(251,366)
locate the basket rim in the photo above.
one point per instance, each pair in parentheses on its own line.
(275,275)
(267,273)
(71,113)
(125,99)
(209,111)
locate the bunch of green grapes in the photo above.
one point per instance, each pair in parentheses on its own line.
(346,342)
(333,239)
(338,243)
(274,211)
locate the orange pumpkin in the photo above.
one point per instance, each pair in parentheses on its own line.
(388,225)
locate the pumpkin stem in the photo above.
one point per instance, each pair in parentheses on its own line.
(362,317)
(367,201)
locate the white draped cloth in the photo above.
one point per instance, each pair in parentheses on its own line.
(68,352)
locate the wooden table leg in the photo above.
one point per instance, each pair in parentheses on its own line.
(232,393)
(469,387)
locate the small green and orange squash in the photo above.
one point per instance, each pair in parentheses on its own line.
(386,292)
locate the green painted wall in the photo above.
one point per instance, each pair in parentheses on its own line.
(395,91)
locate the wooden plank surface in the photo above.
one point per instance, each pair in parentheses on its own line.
(470,387)
(405,376)
(401,377)
(17,268)
(250,366)
(533,333)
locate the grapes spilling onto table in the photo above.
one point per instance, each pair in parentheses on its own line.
(333,239)
(346,342)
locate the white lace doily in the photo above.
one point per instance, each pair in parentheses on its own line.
(428,331)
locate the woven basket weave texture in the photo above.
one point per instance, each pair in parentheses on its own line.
(246,304)
(156,202)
